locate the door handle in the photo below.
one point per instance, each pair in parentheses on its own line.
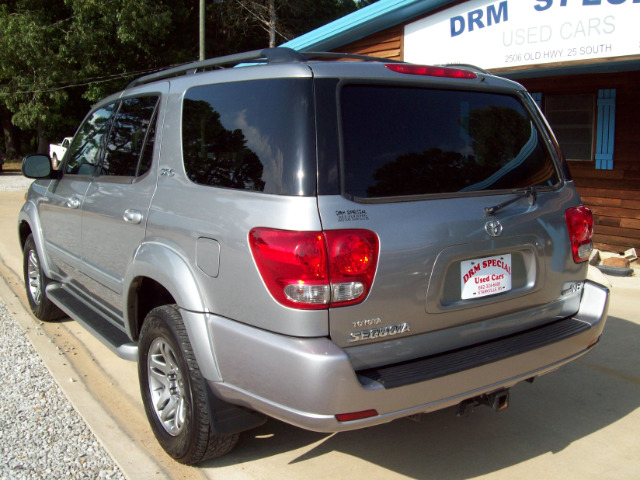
(132,216)
(73,202)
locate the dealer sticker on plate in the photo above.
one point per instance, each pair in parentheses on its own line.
(485,276)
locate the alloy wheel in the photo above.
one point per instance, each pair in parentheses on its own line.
(35,281)
(166,386)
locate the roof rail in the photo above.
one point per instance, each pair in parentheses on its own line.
(267,55)
(467,66)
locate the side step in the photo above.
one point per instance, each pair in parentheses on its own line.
(103,329)
(447,363)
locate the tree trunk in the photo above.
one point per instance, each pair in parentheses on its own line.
(272,23)
(43,142)
(9,133)
(202,31)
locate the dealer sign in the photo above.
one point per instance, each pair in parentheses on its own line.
(513,33)
(485,276)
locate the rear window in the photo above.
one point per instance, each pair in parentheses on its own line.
(254,135)
(400,141)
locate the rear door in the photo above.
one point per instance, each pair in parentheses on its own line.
(422,167)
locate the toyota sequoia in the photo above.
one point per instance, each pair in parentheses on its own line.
(335,244)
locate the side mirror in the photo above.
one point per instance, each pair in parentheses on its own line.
(36,166)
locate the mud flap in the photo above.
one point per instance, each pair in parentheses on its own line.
(227,418)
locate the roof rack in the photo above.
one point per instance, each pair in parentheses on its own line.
(267,55)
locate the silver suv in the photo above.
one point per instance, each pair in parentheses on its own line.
(335,244)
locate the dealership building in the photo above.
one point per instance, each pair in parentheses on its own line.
(580,59)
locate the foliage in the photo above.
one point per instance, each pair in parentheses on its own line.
(57,56)
(30,62)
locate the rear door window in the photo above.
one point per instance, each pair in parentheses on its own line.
(403,141)
(130,143)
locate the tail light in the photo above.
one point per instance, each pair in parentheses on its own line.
(580,224)
(429,71)
(315,270)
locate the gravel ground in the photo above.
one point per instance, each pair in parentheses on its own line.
(10,181)
(41,435)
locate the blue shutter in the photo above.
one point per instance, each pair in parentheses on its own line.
(606,129)
(537,97)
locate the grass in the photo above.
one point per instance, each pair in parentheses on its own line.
(13,166)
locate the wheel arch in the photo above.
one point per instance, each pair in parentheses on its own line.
(158,270)
(144,295)
(24,230)
(159,275)
(29,224)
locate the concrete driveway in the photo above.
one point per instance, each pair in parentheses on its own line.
(581,422)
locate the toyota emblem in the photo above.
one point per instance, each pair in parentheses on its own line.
(493,228)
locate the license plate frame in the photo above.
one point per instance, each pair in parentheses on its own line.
(486,276)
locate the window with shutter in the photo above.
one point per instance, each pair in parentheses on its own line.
(572,120)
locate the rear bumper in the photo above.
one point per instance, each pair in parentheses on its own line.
(306,382)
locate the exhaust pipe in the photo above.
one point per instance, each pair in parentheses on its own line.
(498,401)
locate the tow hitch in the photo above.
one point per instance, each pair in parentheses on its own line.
(498,401)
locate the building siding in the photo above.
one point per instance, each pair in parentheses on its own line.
(613,195)
(386,44)
(610,182)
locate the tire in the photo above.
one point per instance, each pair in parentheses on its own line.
(174,392)
(35,282)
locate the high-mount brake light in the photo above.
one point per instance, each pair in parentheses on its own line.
(431,71)
(316,270)
(580,224)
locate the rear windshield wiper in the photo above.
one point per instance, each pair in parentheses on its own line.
(529,192)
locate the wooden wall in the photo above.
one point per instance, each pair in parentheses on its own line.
(613,195)
(385,44)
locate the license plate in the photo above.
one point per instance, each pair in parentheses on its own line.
(485,276)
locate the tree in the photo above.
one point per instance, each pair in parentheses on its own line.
(29,66)
(58,56)
(107,39)
(283,20)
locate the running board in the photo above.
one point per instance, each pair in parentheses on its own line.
(98,325)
